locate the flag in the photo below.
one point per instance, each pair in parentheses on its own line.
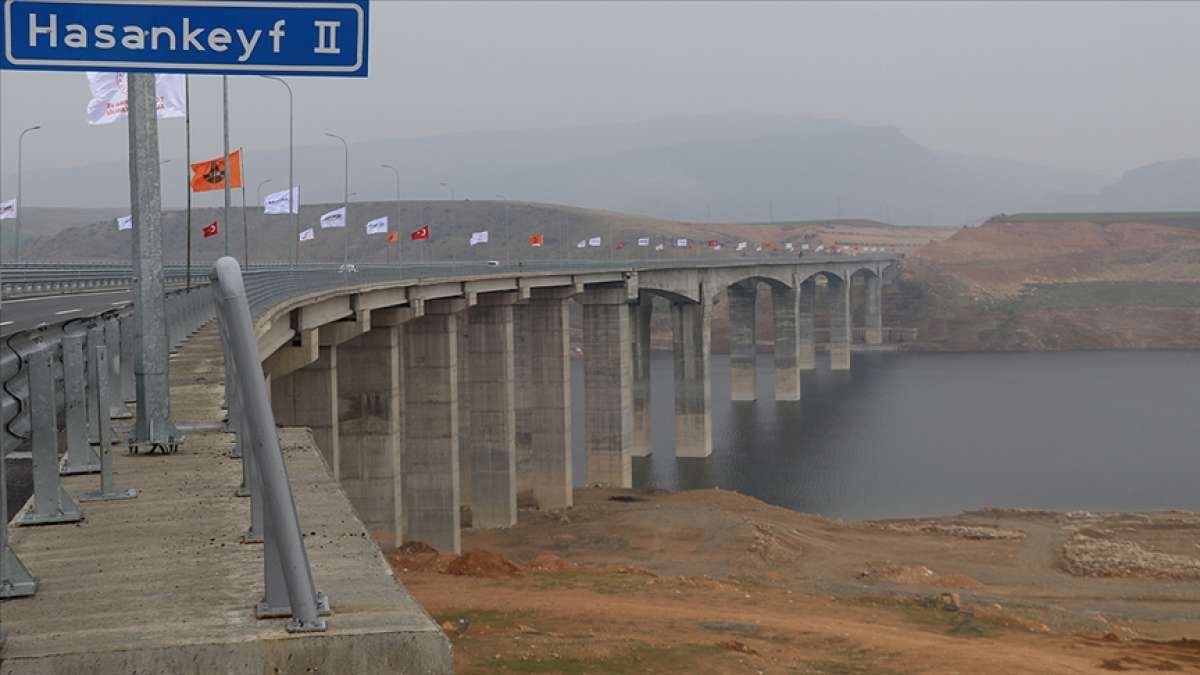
(820,247)
(713,243)
(335,218)
(210,175)
(536,240)
(393,237)
(758,249)
(717,247)
(742,246)
(644,241)
(803,247)
(582,243)
(681,243)
(595,241)
(658,247)
(125,223)
(110,96)
(789,246)
(620,246)
(479,238)
(281,202)
(308,235)
(420,234)
(8,209)
(377,226)
(211,230)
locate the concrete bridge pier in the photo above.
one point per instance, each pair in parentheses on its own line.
(640,315)
(542,335)
(838,291)
(743,348)
(371,430)
(873,310)
(608,385)
(430,463)
(787,343)
(308,397)
(693,389)
(806,343)
(490,459)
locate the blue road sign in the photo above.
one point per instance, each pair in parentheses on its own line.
(234,37)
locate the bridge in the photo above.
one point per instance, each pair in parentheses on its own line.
(430,394)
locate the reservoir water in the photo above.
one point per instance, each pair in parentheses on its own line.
(906,434)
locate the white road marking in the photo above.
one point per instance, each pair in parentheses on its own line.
(121,303)
(5,323)
(67,311)
(68,295)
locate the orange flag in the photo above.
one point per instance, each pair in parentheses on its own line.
(210,175)
(536,240)
(393,237)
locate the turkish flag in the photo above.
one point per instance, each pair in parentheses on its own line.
(713,243)
(210,175)
(422,233)
(620,246)
(212,229)
(536,240)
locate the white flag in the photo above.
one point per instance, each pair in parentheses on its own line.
(789,246)
(308,235)
(717,247)
(681,243)
(820,247)
(8,209)
(279,202)
(335,218)
(594,241)
(582,243)
(377,226)
(658,247)
(110,96)
(803,247)
(742,246)
(479,237)
(758,249)
(644,241)
(125,223)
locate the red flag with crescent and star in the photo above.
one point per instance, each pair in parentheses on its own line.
(212,229)
(422,233)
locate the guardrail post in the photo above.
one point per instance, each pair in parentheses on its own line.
(15,579)
(252,485)
(112,344)
(100,390)
(51,503)
(281,526)
(80,456)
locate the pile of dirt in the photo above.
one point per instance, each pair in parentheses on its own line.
(483,563)
(548,562)
(914,575)
(962,531)
(1089,556)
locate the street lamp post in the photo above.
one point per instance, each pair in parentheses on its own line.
(261,183)
(450,187)
(20,197)
(346,201)
(507,230)
(397,173)
(293,196)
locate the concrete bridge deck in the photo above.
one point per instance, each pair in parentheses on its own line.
(161,584)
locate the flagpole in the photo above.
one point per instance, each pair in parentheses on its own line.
(245,229)
(226,173)
(187,170)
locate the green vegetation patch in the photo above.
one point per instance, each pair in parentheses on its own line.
(1093,294)
(639,659)
(1188,219)
(485,617)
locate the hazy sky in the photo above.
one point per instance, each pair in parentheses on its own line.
(1097,88)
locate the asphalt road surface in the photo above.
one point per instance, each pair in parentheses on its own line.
(25,313)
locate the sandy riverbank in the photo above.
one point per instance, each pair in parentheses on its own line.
(713,581)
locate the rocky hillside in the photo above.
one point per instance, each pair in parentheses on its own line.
(1075,281)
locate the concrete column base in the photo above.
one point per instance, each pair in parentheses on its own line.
(640,315)
(542,339)
(743,348)
(430,463)
(839,324)
(371,431)
(786,303)
(693,387)
(874,310)
(491,461)
(608,387)
(806,343)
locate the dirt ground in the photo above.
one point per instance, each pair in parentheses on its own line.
(713,582)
